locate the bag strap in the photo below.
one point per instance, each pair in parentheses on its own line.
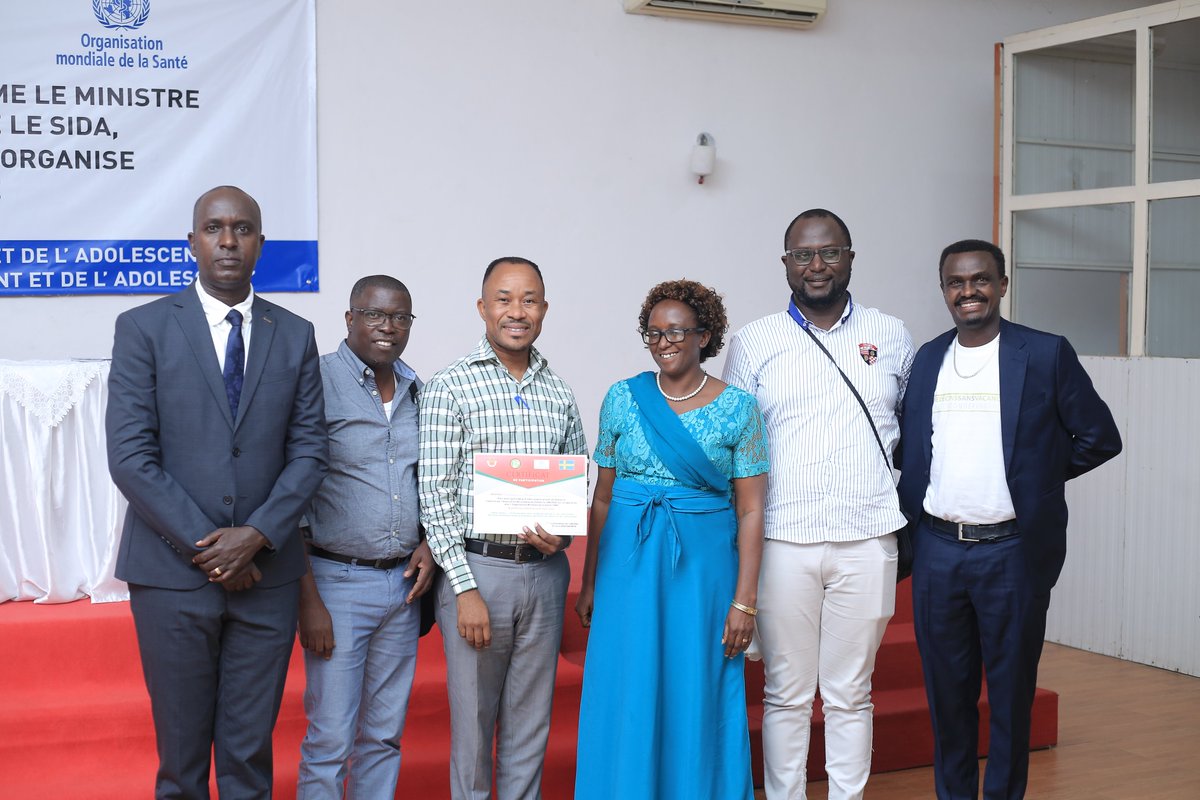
(870,420)
(903,535)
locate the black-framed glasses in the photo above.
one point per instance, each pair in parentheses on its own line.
(373,317)
(803,256)
(672,335)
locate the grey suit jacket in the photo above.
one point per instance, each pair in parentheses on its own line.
(185,465)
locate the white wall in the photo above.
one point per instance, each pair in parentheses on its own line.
(452,133)
(1129,586)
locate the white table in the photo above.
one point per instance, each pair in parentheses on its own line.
(60,514)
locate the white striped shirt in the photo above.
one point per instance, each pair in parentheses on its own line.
(475,406)
(828,481)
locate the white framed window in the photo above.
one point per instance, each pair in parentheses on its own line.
(1100,180)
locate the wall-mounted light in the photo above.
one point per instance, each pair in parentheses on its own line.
(704,156)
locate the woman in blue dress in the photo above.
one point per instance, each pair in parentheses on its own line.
(671,578)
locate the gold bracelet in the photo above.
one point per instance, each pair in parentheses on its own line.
(744,609)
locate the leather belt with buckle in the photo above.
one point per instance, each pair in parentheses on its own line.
(966,532)
(377,563)
(520,553)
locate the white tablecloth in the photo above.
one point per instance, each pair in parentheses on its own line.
(61,515)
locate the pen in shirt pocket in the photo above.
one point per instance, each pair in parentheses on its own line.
(521,402)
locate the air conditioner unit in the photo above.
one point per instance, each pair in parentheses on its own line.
(788,13)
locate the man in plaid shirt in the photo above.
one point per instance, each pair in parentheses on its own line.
(503,594)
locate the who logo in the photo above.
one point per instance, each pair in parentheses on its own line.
(124,14)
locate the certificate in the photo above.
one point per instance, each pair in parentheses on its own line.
(518,490)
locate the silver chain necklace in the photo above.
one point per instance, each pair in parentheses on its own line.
(658,380)
(954,362)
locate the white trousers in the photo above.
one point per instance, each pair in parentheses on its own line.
(822,612)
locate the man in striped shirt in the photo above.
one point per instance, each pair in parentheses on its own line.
(504,595)
(828,579)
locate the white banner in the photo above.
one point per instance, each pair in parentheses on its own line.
(115,115)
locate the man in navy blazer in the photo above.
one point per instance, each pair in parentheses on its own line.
(996,419)
(217,462)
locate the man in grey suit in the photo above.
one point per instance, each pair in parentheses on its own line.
(217,462)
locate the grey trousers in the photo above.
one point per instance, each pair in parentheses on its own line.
(504,692)
(215,663)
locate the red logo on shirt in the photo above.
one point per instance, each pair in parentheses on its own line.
(869,352)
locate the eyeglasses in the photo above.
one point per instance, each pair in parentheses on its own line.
(373,317)
(672,335)
(804,256)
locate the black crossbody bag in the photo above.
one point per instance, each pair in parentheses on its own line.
(904,551)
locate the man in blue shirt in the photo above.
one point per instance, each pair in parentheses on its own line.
(368,563)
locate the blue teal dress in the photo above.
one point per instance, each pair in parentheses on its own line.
(663,712)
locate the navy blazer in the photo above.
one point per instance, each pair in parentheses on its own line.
(1053,424)
(185,465)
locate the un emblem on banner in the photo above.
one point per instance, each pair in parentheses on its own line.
(127,14)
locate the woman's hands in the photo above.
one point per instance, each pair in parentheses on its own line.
(739,632)
(583,606)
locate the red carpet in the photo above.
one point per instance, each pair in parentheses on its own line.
(75,720)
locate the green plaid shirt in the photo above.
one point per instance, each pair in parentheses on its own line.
(471,407)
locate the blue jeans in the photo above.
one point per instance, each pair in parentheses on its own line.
(356,701)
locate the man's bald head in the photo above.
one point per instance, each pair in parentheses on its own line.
(200,203)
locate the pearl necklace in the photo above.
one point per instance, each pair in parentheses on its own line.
(658,380)
(954,362)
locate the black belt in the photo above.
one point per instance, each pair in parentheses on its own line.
(520,553)
(965,532)
(377,563)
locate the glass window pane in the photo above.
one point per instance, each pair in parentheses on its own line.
(1074,115)
(1071,270)
(1174,291)
(1175,101)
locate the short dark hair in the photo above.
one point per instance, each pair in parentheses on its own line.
(817,213)
(201,198)
(376,282)
(972,246)
(487,273)
(703,300)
